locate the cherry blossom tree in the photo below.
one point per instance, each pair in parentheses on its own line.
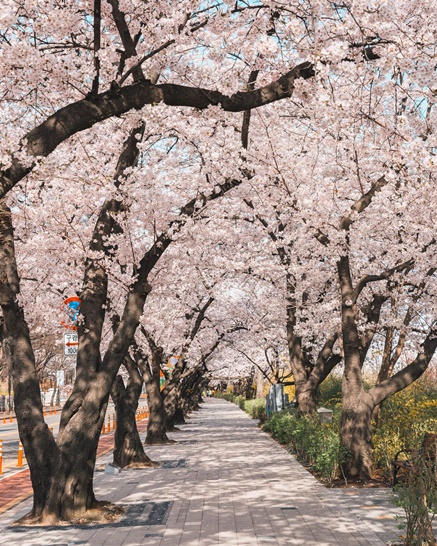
(347,112)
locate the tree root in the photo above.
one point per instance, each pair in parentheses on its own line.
(140,464)
(99,512)
(159,442)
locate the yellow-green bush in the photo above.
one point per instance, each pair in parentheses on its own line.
(403,421)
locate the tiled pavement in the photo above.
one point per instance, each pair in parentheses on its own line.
(224,482)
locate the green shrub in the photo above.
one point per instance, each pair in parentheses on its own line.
(418,497)
(329,394)
(229,396)
(403,420)
(315,444)
(256,409)
(281,425)
(240,400)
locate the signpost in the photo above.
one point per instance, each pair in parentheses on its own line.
(71,342)
(71,307)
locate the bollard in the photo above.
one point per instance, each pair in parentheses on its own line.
(45,412)
(109,424)
(10,416)
(103,427)
(4,417)
(1,457)
(113,421)
(20,455)
(51,429)
(54,410)
(50,411)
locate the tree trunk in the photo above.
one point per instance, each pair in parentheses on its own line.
(39,444)
(356,434)
(357,406)
(55,389)
(259,385)
(170,404)
(306,400)
(178,416)
(129,451)
(157,425)
(71,492)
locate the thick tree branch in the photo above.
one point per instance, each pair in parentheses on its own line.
(410,373)
(127,40)
(373,313)
(363,202)
(97,35)
(367,279)
(246,116)
(83,114)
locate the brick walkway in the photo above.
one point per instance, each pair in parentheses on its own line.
(224,482)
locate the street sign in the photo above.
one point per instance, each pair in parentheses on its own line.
(71,342)
(71,307)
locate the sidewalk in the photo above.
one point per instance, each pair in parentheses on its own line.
(224,482)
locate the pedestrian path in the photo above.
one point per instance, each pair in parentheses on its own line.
(224,482)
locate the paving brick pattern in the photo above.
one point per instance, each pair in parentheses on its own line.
(224,482)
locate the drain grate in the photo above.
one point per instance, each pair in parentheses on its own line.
(146,513)
(186,442)
(178,463)
(76,543)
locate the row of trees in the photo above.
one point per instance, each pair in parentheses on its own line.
(217,179)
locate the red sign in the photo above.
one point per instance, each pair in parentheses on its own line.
(71,306)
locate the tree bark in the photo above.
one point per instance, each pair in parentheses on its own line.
(157,424)
(129,451)
(358,405)
(39,444)
(82,115)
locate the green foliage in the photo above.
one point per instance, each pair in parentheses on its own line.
(240,401)
(256,409)
(315,444)
(229,396)
(329,394)
(418,497)
(403,421)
